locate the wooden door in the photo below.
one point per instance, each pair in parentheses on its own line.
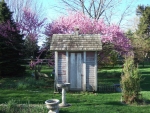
(75,71)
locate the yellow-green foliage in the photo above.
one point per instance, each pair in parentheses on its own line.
(130,82)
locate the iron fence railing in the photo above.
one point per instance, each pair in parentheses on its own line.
(108,88)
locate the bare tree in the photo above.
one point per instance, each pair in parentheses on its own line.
(18,6)
(132,23)
(141,47)
(107,9)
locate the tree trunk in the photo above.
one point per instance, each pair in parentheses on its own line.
(36,74)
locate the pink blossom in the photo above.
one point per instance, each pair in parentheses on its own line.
(109,34)
(31,25)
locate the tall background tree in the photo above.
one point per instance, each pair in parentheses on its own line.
(144,24)
(140,45)
(11,44)
(140,37)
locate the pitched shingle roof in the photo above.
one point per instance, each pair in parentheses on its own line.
(67,42)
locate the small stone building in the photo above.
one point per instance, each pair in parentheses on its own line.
(76,60)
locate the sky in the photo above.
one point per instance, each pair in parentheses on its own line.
(129,22)
(49,4)
(52,14)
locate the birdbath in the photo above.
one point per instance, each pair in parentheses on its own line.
(63,86)
(52,105)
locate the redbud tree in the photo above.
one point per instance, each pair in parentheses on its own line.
(31,26)
(111,35)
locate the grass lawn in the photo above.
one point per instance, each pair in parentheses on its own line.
(27,91)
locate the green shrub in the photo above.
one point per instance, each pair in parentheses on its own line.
(30,82)
(34,83)
(22,85)
(12,106)
(130,82)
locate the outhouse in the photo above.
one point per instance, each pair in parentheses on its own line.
(76,60)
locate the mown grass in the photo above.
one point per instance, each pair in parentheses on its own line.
(85,103)
(33,94)
(112,75)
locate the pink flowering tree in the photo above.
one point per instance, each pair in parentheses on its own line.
(112,36)
(31,26)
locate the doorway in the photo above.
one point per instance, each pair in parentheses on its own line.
(75,71)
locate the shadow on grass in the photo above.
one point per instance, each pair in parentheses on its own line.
(115,103)
(146,81)
(111,67)
(2,111)
(65,111)
(147,66)
(145,73)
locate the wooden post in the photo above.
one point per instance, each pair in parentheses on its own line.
(95,71)
(79,70)
(84,71)
(67,71)
(56,71)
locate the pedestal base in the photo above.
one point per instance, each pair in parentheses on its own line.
(56,111)
(64,105)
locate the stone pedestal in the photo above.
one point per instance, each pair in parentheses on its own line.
(63,86)
(52,105)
